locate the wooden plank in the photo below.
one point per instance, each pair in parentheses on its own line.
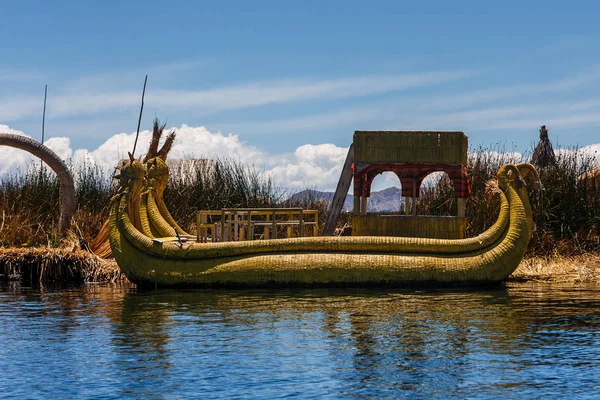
(279,223)
(409,226)
(410,147)
(340,194)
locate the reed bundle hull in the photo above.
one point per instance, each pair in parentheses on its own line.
(488,258)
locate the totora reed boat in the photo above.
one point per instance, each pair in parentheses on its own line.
(151,248)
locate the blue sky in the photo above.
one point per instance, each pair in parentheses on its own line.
(281,74)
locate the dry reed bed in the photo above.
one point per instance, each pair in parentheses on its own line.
(559,269)
(40,264)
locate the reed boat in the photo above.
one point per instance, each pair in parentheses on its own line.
(152,249)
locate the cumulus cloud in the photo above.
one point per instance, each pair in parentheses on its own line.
(310,166)
(191,142)
(584,157)
(13,159)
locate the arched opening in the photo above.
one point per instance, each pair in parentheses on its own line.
(386,194)
(437,195)
(65,179)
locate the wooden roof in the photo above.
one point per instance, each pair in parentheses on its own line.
(426,147)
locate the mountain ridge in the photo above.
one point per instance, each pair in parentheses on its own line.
(386,200)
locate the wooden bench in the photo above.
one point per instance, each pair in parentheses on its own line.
(240,223)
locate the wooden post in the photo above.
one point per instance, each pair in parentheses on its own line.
(235,227)
(363,205)
(461,206)
(274,225)
(201,233)
(205,230)
(340,194)
(288,230)
(222,225)
(198,226)
(301,224)
(229,225)
(316,226)
(364,200)
(414,197)
(407,205)
(249,227)
(356,209)
(266,234)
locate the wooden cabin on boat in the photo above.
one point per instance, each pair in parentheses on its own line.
(411,155)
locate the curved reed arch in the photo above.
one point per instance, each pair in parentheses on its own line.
(65,179)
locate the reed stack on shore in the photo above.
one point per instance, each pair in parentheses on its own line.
(41,264)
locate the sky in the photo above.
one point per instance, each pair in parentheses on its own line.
(283,85)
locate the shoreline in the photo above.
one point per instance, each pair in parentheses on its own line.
(41,264)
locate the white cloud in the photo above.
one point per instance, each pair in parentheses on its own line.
(309,166)
(92,97)
(191,142)
(350,115)
(522,116)
(497,156)
(445,111)
(585,157)
(286,90)
(517,90)
(13,159)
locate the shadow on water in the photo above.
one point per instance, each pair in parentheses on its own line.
(522,339)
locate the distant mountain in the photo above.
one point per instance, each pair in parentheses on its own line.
(383,200)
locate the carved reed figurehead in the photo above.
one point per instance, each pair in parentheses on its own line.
(530,175)
(158,174)
(136,171)
(131,174)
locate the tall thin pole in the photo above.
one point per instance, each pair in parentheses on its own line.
(43,127)
(44,113)
(140,119)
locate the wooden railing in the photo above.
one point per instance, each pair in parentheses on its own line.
(233,224)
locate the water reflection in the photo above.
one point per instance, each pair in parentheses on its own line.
(521,340)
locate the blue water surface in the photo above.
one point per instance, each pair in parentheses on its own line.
(519,341)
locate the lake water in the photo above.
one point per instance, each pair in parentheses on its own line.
(519,341)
